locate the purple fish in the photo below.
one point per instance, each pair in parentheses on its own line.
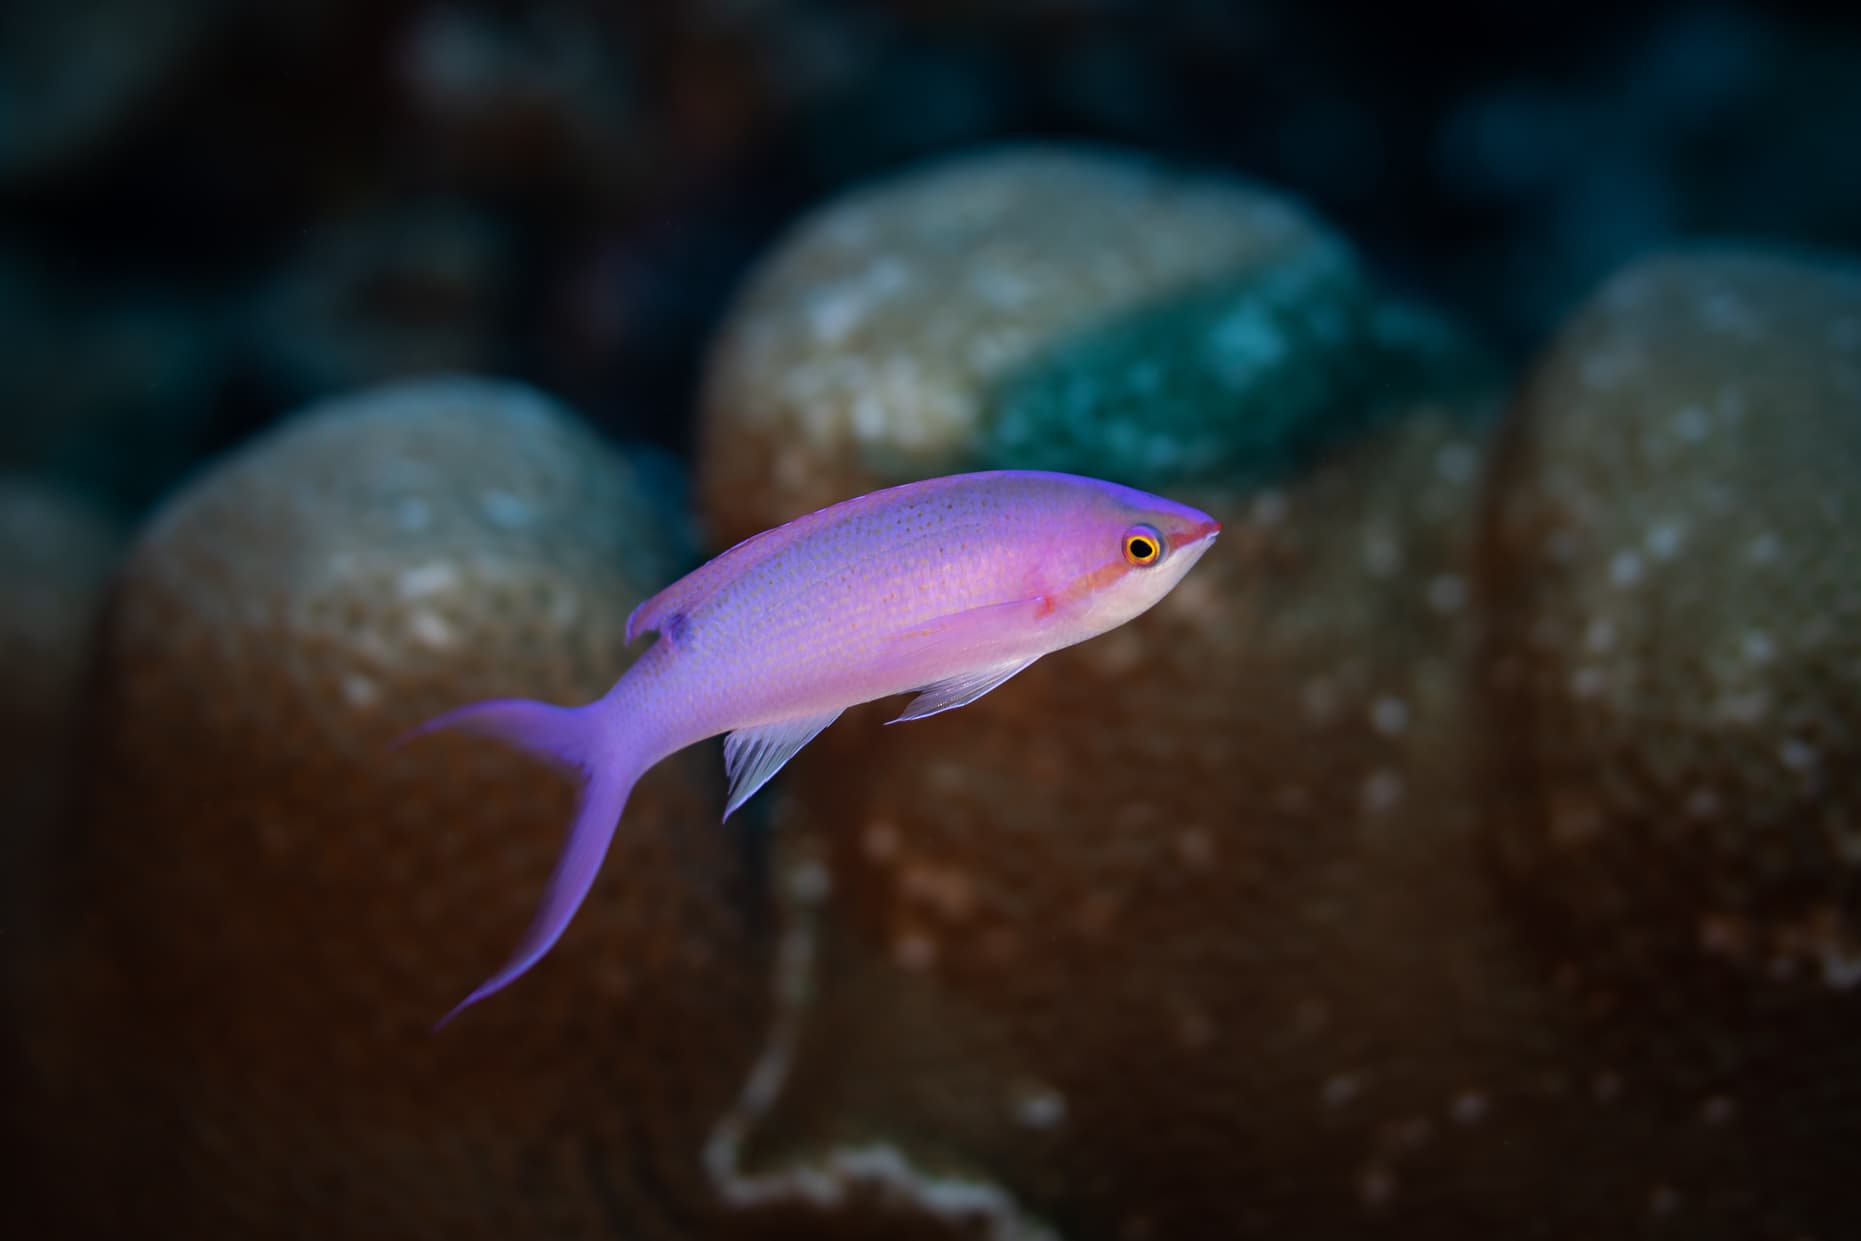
(947,587)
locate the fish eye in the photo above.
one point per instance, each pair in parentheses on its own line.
(1143,546)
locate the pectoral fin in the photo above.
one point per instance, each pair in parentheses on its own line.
(959,690)
(976,627)
(753,755)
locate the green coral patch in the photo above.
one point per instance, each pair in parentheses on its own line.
(1240,379)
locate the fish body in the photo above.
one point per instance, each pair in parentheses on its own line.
(946,587)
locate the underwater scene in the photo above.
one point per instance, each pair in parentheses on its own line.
(1051,620)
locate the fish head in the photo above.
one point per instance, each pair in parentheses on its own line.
(1123,551)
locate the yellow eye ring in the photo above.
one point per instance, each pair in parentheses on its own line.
(1143,546)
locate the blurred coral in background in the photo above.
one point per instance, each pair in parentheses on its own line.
(1472,846)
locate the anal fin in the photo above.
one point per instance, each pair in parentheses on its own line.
(753,755)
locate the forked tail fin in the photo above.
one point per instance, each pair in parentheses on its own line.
(580,739)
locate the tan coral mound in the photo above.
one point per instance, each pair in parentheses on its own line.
(1677,613)
(262,909)
(1675,696)
(875,343)
(1197,929)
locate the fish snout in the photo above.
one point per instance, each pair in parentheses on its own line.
(1200,531)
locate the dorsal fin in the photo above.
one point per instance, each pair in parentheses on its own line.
(698,585)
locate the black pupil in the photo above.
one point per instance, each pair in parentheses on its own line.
(1141,549)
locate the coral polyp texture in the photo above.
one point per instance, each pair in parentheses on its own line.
(1674,685)
(1676,619)
(1266,915)
(260,909)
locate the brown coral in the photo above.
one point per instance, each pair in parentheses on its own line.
(262,909)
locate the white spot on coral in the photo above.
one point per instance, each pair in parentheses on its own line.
(1381,791)
(412,514)
(808,882)
(1763,549)
(833,314)
(914,951)
(1196,847)
(1757,646)
(1038,1106)
(426,579)
(360,691)
(505,510)
(1455,462)
(1664,539)
(1381,555)
(430,629)
(1447,593)
(1242,344)
(1798,755)
(1692,424)
(1841,967)
(880,840)
(1625,568)
(1599,638)
(946,889)
(1001,286)
(989,351)
(1746,708)
(1389,716)
(869,421)
(1727,312)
